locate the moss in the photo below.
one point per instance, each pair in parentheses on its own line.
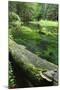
(27,61)
(31,71)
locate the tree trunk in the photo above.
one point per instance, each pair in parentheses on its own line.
(38,71)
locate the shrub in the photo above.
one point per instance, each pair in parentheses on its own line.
(11,78)
(14,20)
(10,34)
(13,17)
(47,23)
(14,24)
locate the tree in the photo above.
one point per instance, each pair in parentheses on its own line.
(34,11)
(26,11)
(12,6)
(38,74)
(52,12)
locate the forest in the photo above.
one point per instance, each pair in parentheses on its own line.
(33,44)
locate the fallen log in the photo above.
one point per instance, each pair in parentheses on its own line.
(35,68)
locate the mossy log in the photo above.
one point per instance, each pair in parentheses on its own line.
(35,68)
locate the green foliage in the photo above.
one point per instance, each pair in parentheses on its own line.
(14,24)
(48,12)
(11,78)
(10,34)
(52,12)
(12,6)
(29,33)
(14,20)
(34,11)
(35,26)
(13,17)
(25,11)
(46,23)
(39,41)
